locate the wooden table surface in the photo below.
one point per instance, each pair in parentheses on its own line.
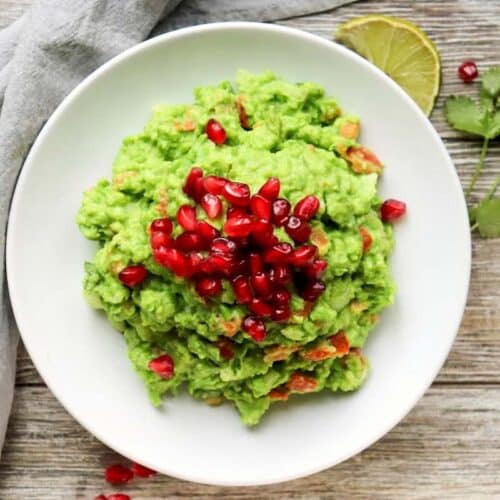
(447,447)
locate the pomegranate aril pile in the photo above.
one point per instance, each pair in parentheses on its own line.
(261,269)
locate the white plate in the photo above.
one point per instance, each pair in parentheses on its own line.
(83,360)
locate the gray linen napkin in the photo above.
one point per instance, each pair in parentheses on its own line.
(47,52)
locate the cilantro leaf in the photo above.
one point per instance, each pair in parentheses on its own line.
(463,114)
(490,81)
(487,216)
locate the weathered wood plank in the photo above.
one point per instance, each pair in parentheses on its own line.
(448,447)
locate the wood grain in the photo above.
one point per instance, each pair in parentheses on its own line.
(447,447)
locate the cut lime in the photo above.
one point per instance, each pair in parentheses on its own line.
(401,50)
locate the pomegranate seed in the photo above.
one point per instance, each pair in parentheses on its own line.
(217,265)
(198,190)
(468,71)
(189,242)
(195,259)
(160,239)
(225,348)
(261,284)
(304,255)
(212,205)
(262,232)
(237,193)
(208,287)
(260,308)
(207,231)
(133,275)
(186,217)
(100,497)
(177,262)
(280,210)
(281,314)
(215,132)
(223,246)
(307,207)
(207,267)
(233,212)
(239,267)
(312,290)
(214,184)
(118,474)
(189,186)
(242,114)
(316,269)
(242,290)
(279,274)
(142,471)
(239,226)
(270,189)
(281,297)
(298,229)
(392,210)
(277,254)
(163,366)
(255,328)
(162,225)
(119,496)
(260,206)
(366,238)
(255,262)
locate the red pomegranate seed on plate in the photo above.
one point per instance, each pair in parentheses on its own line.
(225,348)
(280,210)
(162,225)
(186,217)
(239,226)
(223,246)
(118,474)
(240,266)
(316,269)
(260,308)
(215,132)
(214,184)
(218,264)
(468,71)
(277,254)
(312,290)
(133,275)
(160,239)
(207,231)
(255,328)
(163,366)
(100,497)
(270,189)
(281,297)
(279,274)
(242,289)
(255,262)
(261,284)
(236,212)
(307,207)
(198,190)
(298,229)
(212,205)
(177,262)
(304,255)
(392,210)
(195,259)
(262,233)
(142,471)
(190,242)
(260,206)
(208,287)
(189,186)
(237,193)
(281,314)
(119,496)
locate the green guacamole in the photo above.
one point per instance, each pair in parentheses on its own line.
(298,134)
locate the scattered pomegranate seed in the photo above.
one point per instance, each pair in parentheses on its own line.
(262,232)
(119,496)
(198,190)
(214,184)
(237,193)
(218,264)
(280,210)
(260,206)
(392,210)
(190,184)
(244,122)
(307,207)
(177,262)
(142,471)
(236,212)
(304,255)
(298,229)
(207,231)
(316,269)
(279,274)
(281,297)
(261,284)
(277,254)
(468,71)
(225,348)
(312,290)
(133,275)
(186,217)
(270,189)
(255,262)
(366,238)
(240,266)
(239,226)
(162,225)
(255,328)
(212,205)
(160,239)
(223,246)
(208,287)
(190,242)
(163,366)
(260,308)
(242,289)
(118,474)
(215,132)
(195,259)
(281,314)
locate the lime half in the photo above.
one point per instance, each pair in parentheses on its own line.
(401,50)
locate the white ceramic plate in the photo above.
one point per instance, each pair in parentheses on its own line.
(83,360)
